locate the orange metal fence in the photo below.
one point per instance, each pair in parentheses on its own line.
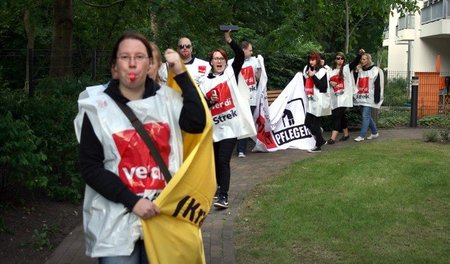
(433,94)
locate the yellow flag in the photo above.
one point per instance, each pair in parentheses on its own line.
(174,236)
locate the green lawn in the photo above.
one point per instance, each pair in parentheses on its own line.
(380,202)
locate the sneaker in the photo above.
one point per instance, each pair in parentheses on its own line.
(358,139)
(373,136)
(315,149)
(330,142)
(222,202)
(241,155)
(216,195)
(344,138)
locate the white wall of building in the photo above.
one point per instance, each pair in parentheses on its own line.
(397,52)
(424,50)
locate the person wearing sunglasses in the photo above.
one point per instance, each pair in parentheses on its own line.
(196,67)
(342,94)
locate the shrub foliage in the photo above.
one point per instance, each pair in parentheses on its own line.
(40,130)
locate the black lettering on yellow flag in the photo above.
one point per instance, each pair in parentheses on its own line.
(192,210)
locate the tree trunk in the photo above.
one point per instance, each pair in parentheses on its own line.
(61,54)
(29,31)
(347,26)
(154,26)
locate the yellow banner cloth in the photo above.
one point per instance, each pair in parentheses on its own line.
(175,236)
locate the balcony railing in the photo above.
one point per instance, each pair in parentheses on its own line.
(406,22)
(434,10)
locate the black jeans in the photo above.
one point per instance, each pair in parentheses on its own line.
(313,123)
(339,118)
(222,155)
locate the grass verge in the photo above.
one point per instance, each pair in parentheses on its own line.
(383,202)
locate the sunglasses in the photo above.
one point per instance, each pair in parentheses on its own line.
(339,58)
(188,46)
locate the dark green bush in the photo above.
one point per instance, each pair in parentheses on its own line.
(278,74)
(396,93)
(436,121)
(50,114)
(20,155)
(391,119)
(52,111)
(354,117)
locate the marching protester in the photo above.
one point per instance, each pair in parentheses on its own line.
(318,97)
(122,176)
(230,112)
(341,83)
(368,94)
(251,71)
(196,67)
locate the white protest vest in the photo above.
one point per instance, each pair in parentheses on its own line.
(342,94)
(109,229)
(318,104)
(231,113)
(197,70)
(248,72)
(364,94)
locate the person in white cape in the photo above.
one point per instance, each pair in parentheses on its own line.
(122,178)
(318,95)
(251,72)
(230,112)
(342,86)
(368,94)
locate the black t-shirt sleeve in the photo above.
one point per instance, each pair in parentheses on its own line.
(377,90)
(321,84)
(103,181)
(193,116)
(239,58)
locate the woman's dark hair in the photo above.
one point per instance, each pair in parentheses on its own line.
(245,44)
(131,35)
(221,51)
(315,56)
(334,64)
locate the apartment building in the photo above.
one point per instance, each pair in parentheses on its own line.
(416,41)
(419,45)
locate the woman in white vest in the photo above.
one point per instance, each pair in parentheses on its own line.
(230,112)
(341,83)
(368,94)
(121,175)
(318,97)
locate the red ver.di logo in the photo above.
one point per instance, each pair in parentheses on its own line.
(249,75)
(137,168)
(224,101)
(201,68)
(363,85)
(339,83)
(309,86)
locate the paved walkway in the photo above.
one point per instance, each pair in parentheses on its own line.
(218,227)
